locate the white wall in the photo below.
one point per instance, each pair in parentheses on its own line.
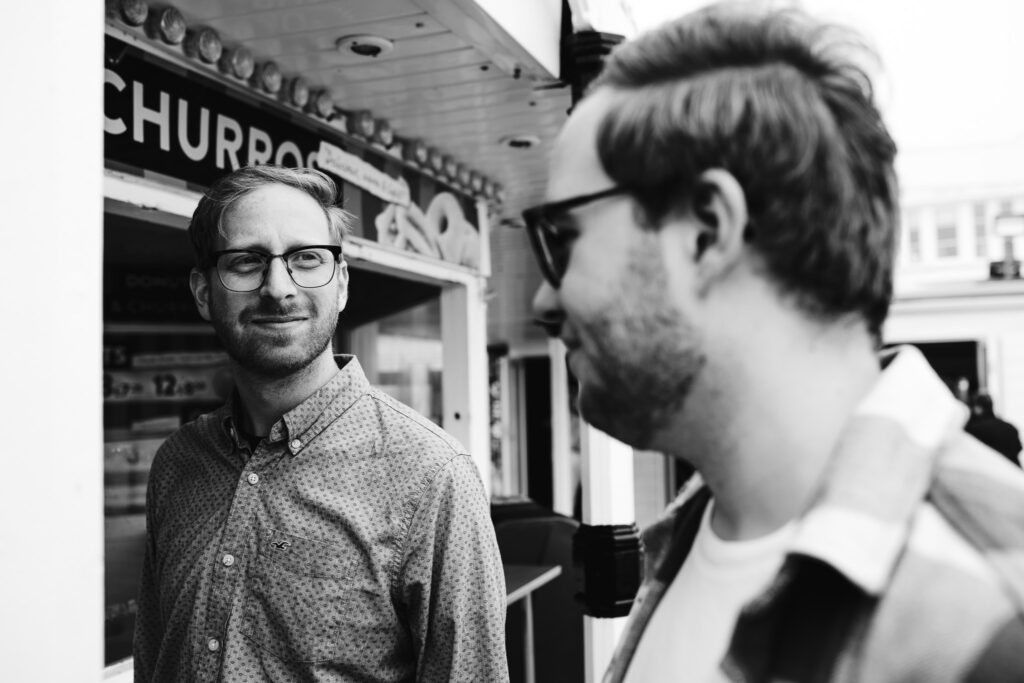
(650,486)
(534,24)
(51,533)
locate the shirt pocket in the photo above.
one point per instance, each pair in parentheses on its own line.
(297,598)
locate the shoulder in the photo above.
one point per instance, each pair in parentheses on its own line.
(989,424)
(191,442)
(959,580)
(423,460)
(202,431)
(954,600)
(981,493)
(404,431)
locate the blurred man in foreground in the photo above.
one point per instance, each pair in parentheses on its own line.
(718,253)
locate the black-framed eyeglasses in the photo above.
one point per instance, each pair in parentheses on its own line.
(551,238)
(244,270)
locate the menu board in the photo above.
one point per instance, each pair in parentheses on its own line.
(152,384)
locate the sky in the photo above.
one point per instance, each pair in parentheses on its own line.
(951,87)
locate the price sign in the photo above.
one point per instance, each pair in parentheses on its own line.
(179,384)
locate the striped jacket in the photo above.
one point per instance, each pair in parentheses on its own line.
(873,589)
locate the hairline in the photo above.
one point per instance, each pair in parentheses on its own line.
(336,232)
(318,186)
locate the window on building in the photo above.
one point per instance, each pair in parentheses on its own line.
(913,244)
(980,231)
(945,233)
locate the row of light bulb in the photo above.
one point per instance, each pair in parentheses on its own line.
(168,25)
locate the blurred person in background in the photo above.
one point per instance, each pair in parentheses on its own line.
(996,433)
(717,247)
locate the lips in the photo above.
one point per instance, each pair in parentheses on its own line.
(275,317)
(277,321)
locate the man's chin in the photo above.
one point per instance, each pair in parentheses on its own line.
(277,336)
(272,363)
(613,419)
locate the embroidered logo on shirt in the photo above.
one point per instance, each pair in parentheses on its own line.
(281,545)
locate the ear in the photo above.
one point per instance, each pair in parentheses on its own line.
(200,287)
(342,286)
(719,206)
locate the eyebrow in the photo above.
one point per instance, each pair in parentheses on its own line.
(265,250)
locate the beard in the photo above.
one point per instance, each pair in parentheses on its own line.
(274,356)
(644,356)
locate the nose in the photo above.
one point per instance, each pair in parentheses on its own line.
(547,310)
(277,282)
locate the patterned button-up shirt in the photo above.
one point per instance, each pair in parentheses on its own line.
(353,544)
(907,566)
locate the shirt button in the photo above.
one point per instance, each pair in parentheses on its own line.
(295,444)
(228,560)
(253,478)
(213,645)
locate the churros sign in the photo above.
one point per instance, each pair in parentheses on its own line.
(356,171)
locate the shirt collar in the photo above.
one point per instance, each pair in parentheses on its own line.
(880,472)
(303,422)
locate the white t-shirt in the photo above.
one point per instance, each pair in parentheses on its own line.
(689,632)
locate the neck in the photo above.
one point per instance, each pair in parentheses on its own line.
(762,423)
(265,400)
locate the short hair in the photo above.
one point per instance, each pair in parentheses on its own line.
(983,405)
(207,220)
(774,99)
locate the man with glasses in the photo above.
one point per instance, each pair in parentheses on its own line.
(718,254)
(313,528)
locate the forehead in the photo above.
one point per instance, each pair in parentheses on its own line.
(575,166)
(274,216)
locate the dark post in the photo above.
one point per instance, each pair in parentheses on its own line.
(606,557)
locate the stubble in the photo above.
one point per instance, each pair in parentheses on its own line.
(647,358)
